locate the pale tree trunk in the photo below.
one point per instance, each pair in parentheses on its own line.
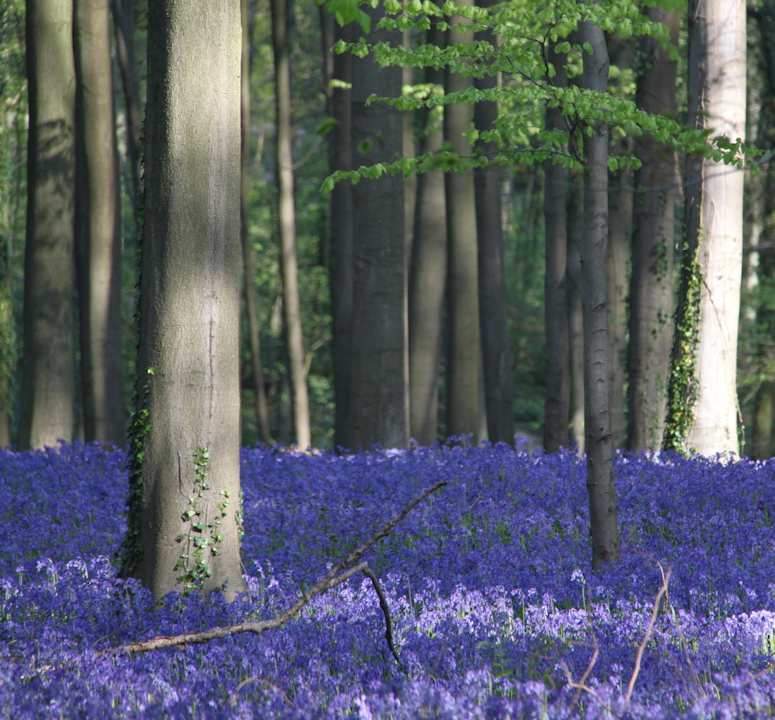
(379,402)
(428,271)
(604,529)
(97,228)
(652,293)
(124,29)
(260,403)
(189,351)
(287,222)
(408,151)
(48,369)
(620,219)
(556,291)
(575,232)
(703,394)
(463,347)
(496,351)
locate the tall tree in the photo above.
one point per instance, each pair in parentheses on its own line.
(428,271)
(260,402)
(379,400)
(463,360)
(703,407)
(597,420)
(97,228)
(184,516)
(556,281)
(575,234)
(496,351)
(287,221)
(48,370)
(652,294)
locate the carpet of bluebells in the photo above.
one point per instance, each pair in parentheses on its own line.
(489,582)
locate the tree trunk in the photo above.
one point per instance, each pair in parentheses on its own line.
(620,220)
(260,403)
(48,374)
(188,424)
(287,222)
(496,350)
(575,232)
(379,402)
(124,29)
(703,407)
(463,348)
(652,295)
(597,421)
(556,289)
(341,266)
(428,275)
(97,229)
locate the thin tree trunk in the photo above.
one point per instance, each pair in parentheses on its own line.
(428,275)
(575,233)
(260,404)
(463,360)
(191,267)
(48,374)
(408,151)
(287,222)
(557,293)
(597,421)
(97,229)
(496,351)
(341,234)
(379,403)
(652,295)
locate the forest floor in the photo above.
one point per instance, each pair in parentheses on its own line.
(496,610)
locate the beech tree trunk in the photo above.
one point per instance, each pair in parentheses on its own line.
(464,343)
(287,222)
(379,401)
(260,403)
(575,234)
(191,268)
(496,350)
(428,271)
(97,229)
(48,368)
(597,420)
(652,295)
(556,294)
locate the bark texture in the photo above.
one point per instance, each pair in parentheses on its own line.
(379,401)
(190,296)
(464,340)
(287,222)
(428,272)
(652,294)
(97,229)
(597,421)
(556,296)
(48,370)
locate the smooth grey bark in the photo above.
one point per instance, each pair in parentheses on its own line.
(575,234)
(428,271)
(287,222)
(98,240)
(464,339)
(604,529)
(620,227)
(496,351)
(48,368)
(260,403)
(379,400)
(556,295)
(408,151)
(191,274)
(652,293)
(341,235)
(714,205)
